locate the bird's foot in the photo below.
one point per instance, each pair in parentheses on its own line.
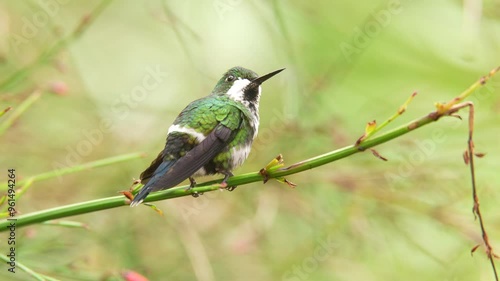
(192,184)
(223,184)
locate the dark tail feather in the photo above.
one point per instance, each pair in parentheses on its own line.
(139,197)
(149,187)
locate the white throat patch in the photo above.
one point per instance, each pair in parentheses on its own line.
(236,91)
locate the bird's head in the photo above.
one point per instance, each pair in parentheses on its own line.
(242,85)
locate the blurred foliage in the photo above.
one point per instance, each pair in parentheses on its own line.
(116,87)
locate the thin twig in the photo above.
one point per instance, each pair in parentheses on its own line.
(475,209)
(5,111)
(445,109)
(81,167)
(23,267)
(118,201)
(48,54)
(23,106)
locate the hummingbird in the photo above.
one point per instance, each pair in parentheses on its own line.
(212,135)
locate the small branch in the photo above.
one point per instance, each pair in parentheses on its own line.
(446,109)
(5,111)
(475,209)
(372,128)
(23,106)
(26,183)
(118,201)
(48,54)
(446,106)
(23,267)
(72,224)
(81,167)
(174,22)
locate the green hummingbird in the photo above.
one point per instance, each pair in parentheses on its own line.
(211,135)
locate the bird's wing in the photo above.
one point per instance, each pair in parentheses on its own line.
(196,158)
(150,171)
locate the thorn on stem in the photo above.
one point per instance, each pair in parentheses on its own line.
(127,194)
(482,81)
(265,176)
(466,157)
(7,109)
(289,183)
(156,209)
(474,210)
(474,249)
(376,154)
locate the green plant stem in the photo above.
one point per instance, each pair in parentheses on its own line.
(45,56)
(24,268)
(5,111)
(118,201)
(23,106)
(73,224)
(78,168)
(26,183)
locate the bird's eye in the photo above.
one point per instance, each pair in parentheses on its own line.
(230,78)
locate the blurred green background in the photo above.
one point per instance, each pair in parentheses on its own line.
(137,64)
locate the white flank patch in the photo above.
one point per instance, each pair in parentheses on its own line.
(189,131)
(199,136)
(255,126)
(201,172)
(240,154)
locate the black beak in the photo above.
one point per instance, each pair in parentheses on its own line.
(259,80)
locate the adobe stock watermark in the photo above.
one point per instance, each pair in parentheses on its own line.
(31,25)
(91,138)
(487,91)
(417,156)
(277,125)
(322,251)
(362,36)
(221,7)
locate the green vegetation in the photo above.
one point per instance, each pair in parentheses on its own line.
(92,82)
